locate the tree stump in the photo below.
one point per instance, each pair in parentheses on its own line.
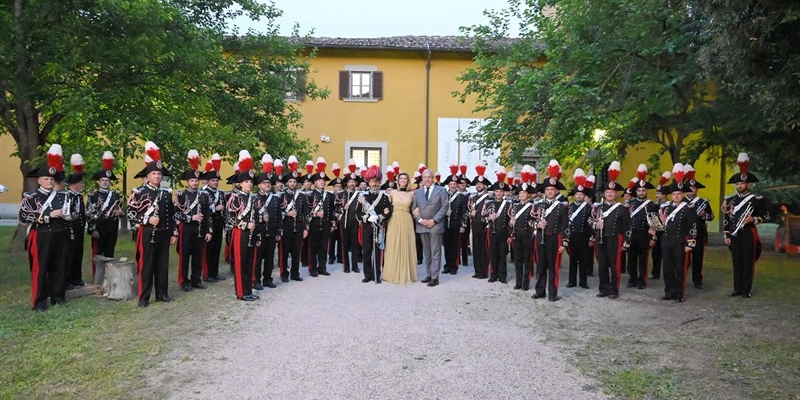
(100,269)
(120,280)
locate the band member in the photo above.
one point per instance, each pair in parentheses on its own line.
(641,240)
(522,225)
(742,212)
(103,209)
(581,238)
(374,209)
(47,241)
(217,215)
(77,222)
(269,228)
(306,187)
(350,223)
(552,236)
(295,228)
(661,201)
(704,215)
(152,208)
(242,210)
(321,217)
(496,218)
(475,207)
(590,200)
(335,249)
(454,223)
(613,223)
(680,236)
(194,226)
(463,183)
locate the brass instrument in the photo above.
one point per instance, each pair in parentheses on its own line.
(155,214)
(597,216)
(487,212)
(108,213)
(656,221)
(740,223)
(702,207)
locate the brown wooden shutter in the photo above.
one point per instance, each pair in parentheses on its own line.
(344,84)
(377,85)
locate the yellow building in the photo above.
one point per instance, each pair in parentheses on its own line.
(392,100)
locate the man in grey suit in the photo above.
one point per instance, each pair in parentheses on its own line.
(430,207)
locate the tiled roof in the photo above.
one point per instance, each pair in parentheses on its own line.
(410,43)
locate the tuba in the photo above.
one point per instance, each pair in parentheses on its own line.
(654,220)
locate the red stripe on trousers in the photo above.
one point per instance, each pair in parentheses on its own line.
(33,250)
(617,265)
(557,267)
(687,258)
(255,258)
(237,261)
(489,250)
(180,255)
(205,261)
(345,257)
(458,250)
(94,253)
(281,265)
(140,258)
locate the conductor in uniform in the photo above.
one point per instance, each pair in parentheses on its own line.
(680,236)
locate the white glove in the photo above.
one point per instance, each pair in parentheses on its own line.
(373,218)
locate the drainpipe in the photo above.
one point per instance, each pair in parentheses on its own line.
(427,104)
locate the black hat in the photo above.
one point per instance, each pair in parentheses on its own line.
(336,181)
(552,182)
(315,177)
(265,177)
(155,154)
(389,185)
(248,175)
(107,170)
(743,161)
(481,179)
(500,185)
(676,186)
(194,163)
(291,175)
(450,178)
(54,167)
(689,174)
(77,169)
(580,184)
(351,177)
(613,174)
(526,187)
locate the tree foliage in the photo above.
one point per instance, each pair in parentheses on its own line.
(110,74)
(638,71)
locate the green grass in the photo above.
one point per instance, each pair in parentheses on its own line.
(91,348)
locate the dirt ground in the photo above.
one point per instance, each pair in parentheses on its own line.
(472,339)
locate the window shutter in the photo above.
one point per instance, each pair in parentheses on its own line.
(377,85)
(344,84)
(301,85)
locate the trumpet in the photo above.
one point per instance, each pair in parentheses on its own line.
(740,223)
(537,214)
(597,216)
(110,210)
(655,221)
(702,207)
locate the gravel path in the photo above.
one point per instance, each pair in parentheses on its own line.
(336,338)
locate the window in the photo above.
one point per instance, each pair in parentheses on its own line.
(360,83)
(294,85)
(367,156)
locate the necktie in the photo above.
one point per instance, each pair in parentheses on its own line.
(427,193)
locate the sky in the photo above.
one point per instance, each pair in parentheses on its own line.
(378,18)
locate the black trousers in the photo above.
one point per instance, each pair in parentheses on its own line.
(698,253)
(498,254)
(47,253)
(744,251)
(548,266)
(265,260)
(464,246)
(319,232)
(335,245)
(580,258)
(638,258)
(213,249)
(153,262)
(242,257)
(451,241)
(656,270)
(190,253)
(373,256)
(480,256)
(609,260)
(523,258)
(418,244)
(350,247)
(75,258)
(105,244)
(675,266)
(291,243)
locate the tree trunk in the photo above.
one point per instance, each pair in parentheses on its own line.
(28,142)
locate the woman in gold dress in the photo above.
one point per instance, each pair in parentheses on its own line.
(400,264)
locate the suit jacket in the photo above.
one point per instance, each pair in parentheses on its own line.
(435,208)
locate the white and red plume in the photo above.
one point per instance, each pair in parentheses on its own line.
(677,172)
(743,161)
(321,165)
(641,172)
(665,177)
(480,169)
(590,181)
(76,160)
(293,163)
(194,159)
(216,161)
(351,165)
(309,167)
(279,167)
(688,172)
(336,169)
(421,168)
(501,174)
(153,151)
(389,173)
(553,169)
(55,157)
(245,161)
(579,176)
(396,167)
(267,163)
(613,171)
(453,169)
(108,161)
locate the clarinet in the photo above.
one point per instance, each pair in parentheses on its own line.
(155,214)
(250,212)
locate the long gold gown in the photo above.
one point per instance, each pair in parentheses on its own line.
(400,264)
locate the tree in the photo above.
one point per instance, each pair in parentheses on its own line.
(750,51)
(96,74)
(624,68)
